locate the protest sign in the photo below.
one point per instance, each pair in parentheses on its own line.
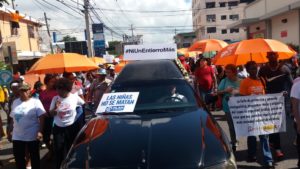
(258,115)
(118,102)
(150,52)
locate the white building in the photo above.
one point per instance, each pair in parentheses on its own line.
(212,17)
(273,19)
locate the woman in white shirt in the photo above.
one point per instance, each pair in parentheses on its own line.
(63,108)
(28,118)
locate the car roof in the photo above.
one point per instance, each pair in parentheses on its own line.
(149,70)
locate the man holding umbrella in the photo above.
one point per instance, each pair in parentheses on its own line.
(277,78)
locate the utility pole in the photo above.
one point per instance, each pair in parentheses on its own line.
(175,31)
(131,28)
(87,25)
(13,4)
(47,25)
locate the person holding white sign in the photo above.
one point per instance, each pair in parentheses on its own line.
(229,86)
(252,85)
(277,78)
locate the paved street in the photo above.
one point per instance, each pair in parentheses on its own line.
(287,138)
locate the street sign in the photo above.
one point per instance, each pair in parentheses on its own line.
(5,77)
(99,36)
(99,44)
(97,28)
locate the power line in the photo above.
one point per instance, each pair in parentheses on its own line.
(95,12)
(146,11)
(59,8)
(75,9)
(130,21)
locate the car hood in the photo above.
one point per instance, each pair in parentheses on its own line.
(189,139)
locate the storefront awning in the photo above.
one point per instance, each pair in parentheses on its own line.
(28,55)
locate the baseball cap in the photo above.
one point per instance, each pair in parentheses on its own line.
(24,86)
(101,72)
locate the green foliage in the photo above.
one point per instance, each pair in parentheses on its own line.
(68,38)
(112,47)
(4,66)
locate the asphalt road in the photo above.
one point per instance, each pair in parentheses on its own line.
(287,138)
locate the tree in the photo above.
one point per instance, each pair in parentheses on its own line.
(68,38)
(113,45)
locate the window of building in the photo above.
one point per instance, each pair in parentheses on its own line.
(211,29)
(234,30)
(30,31)
(233,3)
(210,4)
(222,4)
(234,17)
(211,18)
(224,31)
(223,17)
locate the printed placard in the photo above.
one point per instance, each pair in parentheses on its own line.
(150,52)
(258,115)
(118,102)
(108,58)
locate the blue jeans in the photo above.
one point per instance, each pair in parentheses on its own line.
(264,142)
(203,94)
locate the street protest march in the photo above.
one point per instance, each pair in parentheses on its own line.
(258,115)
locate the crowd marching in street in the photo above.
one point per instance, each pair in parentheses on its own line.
(52,113)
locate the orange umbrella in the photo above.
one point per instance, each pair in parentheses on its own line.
(252,50)
(120,66)
(187,53)
(98,60)
(62,62)
(208,45)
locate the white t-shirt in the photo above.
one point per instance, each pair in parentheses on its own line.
(295,91)
(26,119)
(67,109)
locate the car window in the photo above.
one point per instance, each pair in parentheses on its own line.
(149,70)
(159,94)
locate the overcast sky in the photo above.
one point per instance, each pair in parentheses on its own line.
(156,27)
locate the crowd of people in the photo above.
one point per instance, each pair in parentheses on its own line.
(216,84)
(52,113)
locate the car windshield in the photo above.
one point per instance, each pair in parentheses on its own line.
(159,94)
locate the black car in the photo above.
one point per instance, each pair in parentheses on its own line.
(170,127)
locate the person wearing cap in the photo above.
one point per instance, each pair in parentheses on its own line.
(28,118)
(98,87)
(63,109)
(111,73)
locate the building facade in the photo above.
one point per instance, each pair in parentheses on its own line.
(212,17)
(273,19)
(184,40)
(23,49)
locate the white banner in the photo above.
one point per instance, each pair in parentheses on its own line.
(118,102)
(108,58)
(258,115)
(150,52)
